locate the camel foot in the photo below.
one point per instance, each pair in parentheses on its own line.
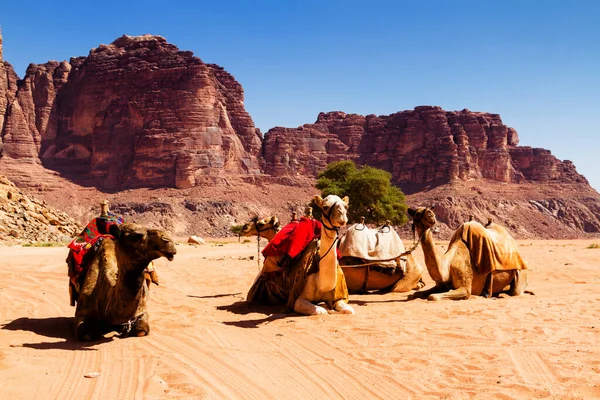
(85,332)
(347,310)
(305,307)
(343,308)
(320,311)
(141,334)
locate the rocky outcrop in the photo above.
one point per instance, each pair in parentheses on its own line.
(24,218)
(419,147)
(137,112)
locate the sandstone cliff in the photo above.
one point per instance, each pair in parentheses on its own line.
(137,112)
(420,147)
(140,113)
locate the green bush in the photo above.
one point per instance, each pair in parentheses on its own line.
(369,189)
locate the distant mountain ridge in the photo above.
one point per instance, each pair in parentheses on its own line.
(140,113)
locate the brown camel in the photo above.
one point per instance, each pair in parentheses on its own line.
(378,250)
(114,293)
(264,228)
(479,260)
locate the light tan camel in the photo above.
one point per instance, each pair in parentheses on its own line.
(321,286)
(264,228)
(479,260)
(312,277)
(379,251)
(114,293)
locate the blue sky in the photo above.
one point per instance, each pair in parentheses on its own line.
(536,63)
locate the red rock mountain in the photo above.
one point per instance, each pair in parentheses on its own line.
(140,113)
(419,147)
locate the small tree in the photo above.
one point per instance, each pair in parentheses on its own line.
(370,191)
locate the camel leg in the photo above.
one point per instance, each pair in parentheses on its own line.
(141,327)
(423,294)
(519,283)
(87,330)
(420,285)
(456,294)
(305,307)
(412,279)
(342,307)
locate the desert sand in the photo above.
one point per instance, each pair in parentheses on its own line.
(207,343)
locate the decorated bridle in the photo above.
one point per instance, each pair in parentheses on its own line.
(328,217)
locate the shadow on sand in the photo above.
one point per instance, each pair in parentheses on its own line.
(272,313)
(54,327)
(216,296)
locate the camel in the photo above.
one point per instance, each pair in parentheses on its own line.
(114,293)
(379,251)
(313,276)
(88,235)
(266,227)
(479,260)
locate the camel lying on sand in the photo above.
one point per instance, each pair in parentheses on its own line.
(479,260)
(266,227)
(371,261)
(113,295)
(313,275)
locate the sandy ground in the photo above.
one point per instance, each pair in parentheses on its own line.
(206,342)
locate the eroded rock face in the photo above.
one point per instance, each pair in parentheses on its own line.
(24,218)
(423,146)
(137,112)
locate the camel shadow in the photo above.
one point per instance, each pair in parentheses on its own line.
(271,312)
(54,327)
(366,302)
(215,296)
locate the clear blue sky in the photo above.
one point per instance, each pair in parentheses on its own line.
(536,63)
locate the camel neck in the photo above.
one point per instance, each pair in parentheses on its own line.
(131,270)
(433,260)
(328,260)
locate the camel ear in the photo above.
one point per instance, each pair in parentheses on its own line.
(346,200)
(318,201)
(411,211)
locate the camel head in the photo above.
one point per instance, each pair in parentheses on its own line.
(148,243)
(334,210)
(423,217)
(256,226)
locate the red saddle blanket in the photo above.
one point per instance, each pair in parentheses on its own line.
(89,239)
(293,238)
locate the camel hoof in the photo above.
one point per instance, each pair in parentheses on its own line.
(141,334)
(320,311)
(347,310)
(434,297)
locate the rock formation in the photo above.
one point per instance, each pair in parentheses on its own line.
(424,146)
(25,218)
(140,113)
(137,112)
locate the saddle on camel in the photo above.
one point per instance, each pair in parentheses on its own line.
(376,260)
(85,245)
(283,274)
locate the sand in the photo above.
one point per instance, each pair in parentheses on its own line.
(206,342)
